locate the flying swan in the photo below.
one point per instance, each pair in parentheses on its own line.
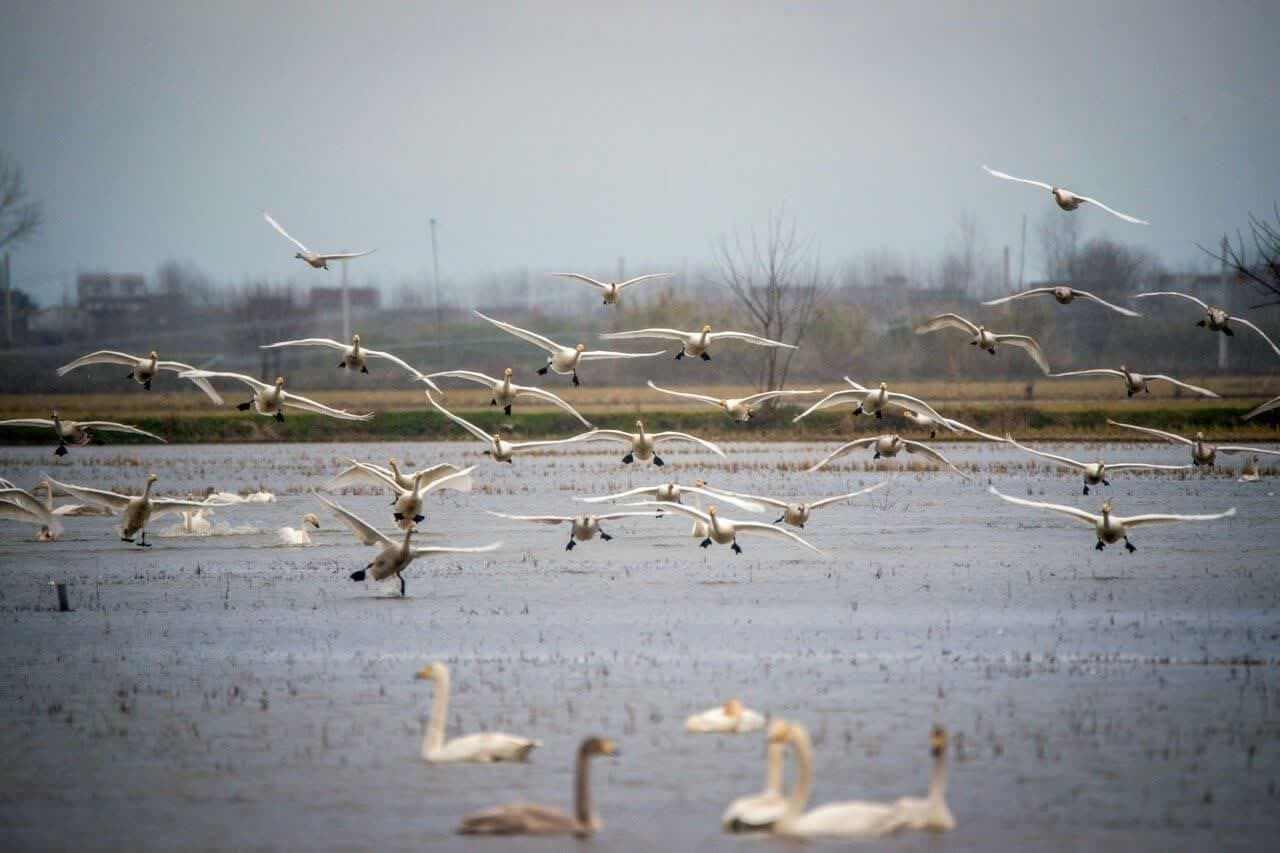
(723,531)
(501,450)
(1064,295)
(984,339)
(873,401)
(1066,199)
(890,445)
(1095,472)
(77,433)
(796,513)
(738,408)
(355,357)
(505,392)
(135,510)
(610,291)
(1202,452)
(694,344)
(581,527)
(563,360)
(143,370)
(643,444)
(1136,382)
(1215,319)
(270,400)
(315,259)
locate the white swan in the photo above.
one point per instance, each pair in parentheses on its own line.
(77,433)
(610,291)
(226,498)
(1273,403)
(581,527)
(143,369)
(408,503)
(135,510)
(393,556)
(501,450)
(1064,295)
(930,813)
(930,423)
(505,392)
(317,260)
(731,718)
(757,812)
(483,747)
(355,356)
(1215,319)
(890,445)
(366,473)
(849,819)
(270,400)
(1095,472)
(563,360)
(980,337)
(195,522)
(724,531)
(22,506)
(873,401)
(1137,382)
(1109,528)
(797,513)
(738,408)
(643,445)
(299,537)
(694,344)
(1202,452)
(1066,199)
(1249,473)
(671,491)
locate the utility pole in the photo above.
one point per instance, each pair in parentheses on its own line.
(1006,269)
(435,270)
(1223,281)
(8,306)
(1022,254)
(346,305)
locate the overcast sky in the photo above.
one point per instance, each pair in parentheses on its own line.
(563,135)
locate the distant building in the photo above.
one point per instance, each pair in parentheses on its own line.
(112,301)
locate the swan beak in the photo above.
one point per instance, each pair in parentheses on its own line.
(610,748)
(424,674)
(938,741)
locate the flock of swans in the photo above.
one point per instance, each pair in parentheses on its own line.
(773,810)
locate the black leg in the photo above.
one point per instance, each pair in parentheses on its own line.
(879,414)
(1129,545)
(576,383)
(342,364)
(877,455)
(1106,482)
(657,460)
(1229,333)
(506,410)
(366,370)
(933,433)
(143,543)
(1099,546)
(679,354)
(130,375)
(705,543)
(279,417)
(358,576)
(857,410)
(401,585)
(571,544)
(628,459)
(737,549)
(543,371)
(1086,489)
(511,462)
(1201,323)
(493,402)
(398,516)
(146,385)
(992,351)
(705,357)
(61,451)
(126,539)
(605,536)
(779,519)
(1130,392)
(244,407)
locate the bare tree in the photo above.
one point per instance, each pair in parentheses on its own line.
(1259,266)
(20,217)
(777,277)
(1059,242)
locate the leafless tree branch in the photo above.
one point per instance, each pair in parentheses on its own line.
(20,217)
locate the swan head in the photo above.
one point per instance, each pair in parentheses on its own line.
(355,339)
(580,347)
(733,708)
(279,381)
(151,478)
(937,741)
(497,437)
(778,731)
(300,256)
(599,746)
(706,328)
(1106,508)
(699,482)
(1199,435)
(1124,369)
(430,672)
(507,373)
(884,386)
(711,511)
(639,424)
(153,355)
(309,518)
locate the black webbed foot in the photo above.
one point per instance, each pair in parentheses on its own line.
(879,414)
(398,516)
(358,575)
(543,371)
(1106,482)
(576,383)
(126,539)
(1086,490)
(779,519)
(342,365)
(876,456)
(571,545)
(143,543)
(1099,546)
(279,417)
(1129,546)
(244,407)
(366,370)
(857,410)
(506,410)
(679,355)
(417,519)
(61,451)
(705,543)
(1201,323)
(736,548)
(657,460)
(705,357)
(493,402)
(628,459)
(1228,332)
(146,385)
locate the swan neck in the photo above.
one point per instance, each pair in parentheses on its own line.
(804,771)
(146,490)
(773,769)
(439,711)
(582,807)
(938,781)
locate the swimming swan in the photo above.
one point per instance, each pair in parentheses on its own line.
(890,445)
(1095,472)
(299,537)
(1066,199)
(135,510)
(270,400)
(1136,382)
(731,718)
(563,360)
(581,527)
(501,450)
(1064,295)
(315,259)
(983,339)
(757,812)
(738,408)
(1215,319)
(505,392)
(355,356)
(77,433)
(1202,452)
(143,369)
(643,445)
(930,813)
(611,291)
(483,747)
(694,344)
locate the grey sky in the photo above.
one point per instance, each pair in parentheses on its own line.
(562,135)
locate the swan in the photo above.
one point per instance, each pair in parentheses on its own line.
(196,521)
(695,344)
(581,527)
(1064,295)
(143,369)
(65,509)
(563,360)
(731,718)
(671,491)
(366,473)
(890,445)
(1215,319)
(77,433)
(408,503)
(501,450)
(723,531)
(1273,403)
(794,513)
(316,259)
(1136,382)
(534,819)
(1095,472)
(505,392)
(611,291)
(393,556)
(873,402)
(355,356)
(23,506)
(643,445)
(270,400)
(757,812)
(227,498)
(1066,199)
(135,510)
(1202,452)
(1109,528)
(1249,473)
(738,408)
(930,423)
(299,537)
(984,339)
(849,819)
(930,813)
(483,747)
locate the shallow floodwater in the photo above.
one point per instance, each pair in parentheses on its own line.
(222,691)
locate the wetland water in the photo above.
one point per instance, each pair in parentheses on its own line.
(223,692)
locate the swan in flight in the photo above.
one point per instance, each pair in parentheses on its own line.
(723,531)
(670,492)
(1109,528)
(795,513)
(731,718)
(1202,452)
(77,433)
(501,450)
(930,423)
(849,819)
(22,506)
(505,392)
(984,339)
(299,537)
(643,445)
(142,370)
(890,445)
(482,747)
(694,344)
(581,527)
(368,474)
(355,356)
(1095,472)
(195,522)
(408,503)
(930,813)
(315,259)
(610,291)
(1064,295)
(217,498)
(270,400)
(135,510)
(757,812)
(66,509)
(1215,319)
(873,401)
(393,556)
(739,408)
(1273,403)
(563,360)
(1136,382)
(534,819)
(1066,199)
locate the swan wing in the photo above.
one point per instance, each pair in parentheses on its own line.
(585,279)
(1098,299)
(1078,514)
(11,511)
(689,439)
(98,497)
(845,497)
(750,339)
(1234,449)
(553,399)
(469,375)
(701,398)
(1203,392)
(1262,334)
(917,405)
(284,233)
(681,509)
(522,446)
(536,519)
(201,383)
(1273,403)
(1185,296)
(524,334)
(1006,176)
(519,819)
(1032,348)
(835,398)
(28,503)
(346,256)
(465,424)
(1062,460)
(844,449)
(756,399)
(631,281)
(308,342)
(1144,466)
(364,531)
(31,422)
(851,819)
(362,473)
(1016,296)
(309,405)
(638,334)
(1168,436)
(600,354)
(629,493)
(1093,371)
(105,356)
(1156,518)
(772,531)
(433,550)
(611,435)
(612,515)
(161,506)
(960,426)
(1126,217)
(946,321)
(746,503)
(218,374)
(396,360)
(926,450)
(757,811)
(112,426)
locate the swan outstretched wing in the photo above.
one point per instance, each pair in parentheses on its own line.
(946,321)
(1062,460)
(1077,514)
(926,450)
(458,481)
(1168,436)
(844,449)
(524,446)
(1093,371)
(361,473)
(750,339)
(742,502)
(629,493)
(599,354)
(640,334)
(685,437)
(957,426)
(31,422)
(364,531)
(1185,296)
(701,398)
(345,256)
(1262,334)
(104,356)
(1087,295)
(1126,217)
(917,405)
(633,281)
(28,503)
(162,506)
(433,550)
(838,498)
(585,279)
(1273,403)
(756,399)
(772,531)
(307,404)
(547,396)
(307,342)
(112,426)
(1145,520)
(1032,348)
(1203,392)
(835,398)
(536,519)
(98,497)
(201,383)
(611,435)
(398,362)
(1006,176)
(1020,295)
(218,374)
(680,509)
(612,515)
(1234,449)
(11,511)
(465,424)
(469,375)
(524,334)
(284,233)
(1145,466)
